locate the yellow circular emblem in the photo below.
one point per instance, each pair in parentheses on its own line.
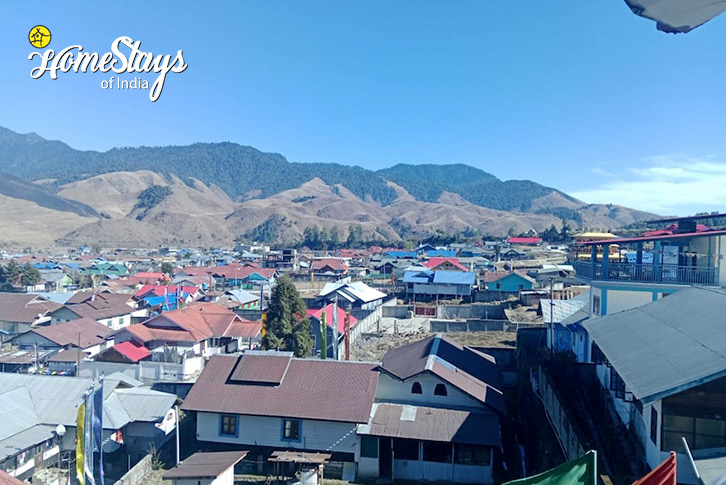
(39,36)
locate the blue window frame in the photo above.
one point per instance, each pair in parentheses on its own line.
(229,425)
(291,430)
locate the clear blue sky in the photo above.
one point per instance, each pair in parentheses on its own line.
(582,96)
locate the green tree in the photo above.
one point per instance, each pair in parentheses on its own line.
(355,236)
(31,276)
(167,268)
(287,326)
(334,238)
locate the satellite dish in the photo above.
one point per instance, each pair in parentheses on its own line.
(60,430)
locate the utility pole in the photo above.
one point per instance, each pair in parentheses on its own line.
(552,315)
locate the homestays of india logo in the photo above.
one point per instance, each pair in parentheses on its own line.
(125,58)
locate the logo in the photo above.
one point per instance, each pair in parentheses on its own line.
(39,36)
(125,57)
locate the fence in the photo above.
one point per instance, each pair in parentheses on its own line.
(480,326)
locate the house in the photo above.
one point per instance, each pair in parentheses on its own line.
(663,365)
(428,284)
(436,416)
(166,297)
(56,280)
(315,316)
(102,269)
(199,329)
(357,295)
(507,282)
(32,407)
(128,352)
(210,468)
(245,277)
(447,263)
(83,333)
(20,311)
(267,401)
(237,299)
(22,361)
(678,259)
(329,266)
(111,309)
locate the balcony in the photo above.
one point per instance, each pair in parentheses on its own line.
(648,273)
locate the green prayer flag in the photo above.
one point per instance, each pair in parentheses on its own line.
(323,337)
(582,471)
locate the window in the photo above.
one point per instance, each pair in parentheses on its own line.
(472,455)
(405,449)
(291,429)
(416,388)
(228,425)
(440,390)
(617,384)
(654,425)
(596,305)
(369,446)
(437,451)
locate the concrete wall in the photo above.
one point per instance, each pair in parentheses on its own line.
(146,372)
(267,431)
(478,311)
(137,473)
(393,390)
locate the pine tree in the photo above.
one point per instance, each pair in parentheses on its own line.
(287,326)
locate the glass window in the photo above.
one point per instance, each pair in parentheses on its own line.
(472,455)
(404,449)
(291,429)
(228,425)
(440,390)
(437,451)
(416,388)
(369,446)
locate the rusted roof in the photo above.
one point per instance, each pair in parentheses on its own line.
(102,305)
(311,389)
(23,307)
(205,465)
(243,328)
(433,424)
(85,331)
(268,368)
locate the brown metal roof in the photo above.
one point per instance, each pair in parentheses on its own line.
(89,332)
(23,307)
(434,424)
(311,389)
(205,465)
(470,370)
(262,368)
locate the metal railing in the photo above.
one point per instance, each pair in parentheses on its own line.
(648,273)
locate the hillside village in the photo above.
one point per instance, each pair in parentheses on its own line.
(476,362)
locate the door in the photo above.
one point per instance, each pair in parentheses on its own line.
(385,457)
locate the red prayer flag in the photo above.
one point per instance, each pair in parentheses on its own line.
(663,474)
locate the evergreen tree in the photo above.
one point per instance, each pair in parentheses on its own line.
(167,268)
(287,326)
(31,276)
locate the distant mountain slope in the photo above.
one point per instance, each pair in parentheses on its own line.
(429,182)
(14,187)
(244,172)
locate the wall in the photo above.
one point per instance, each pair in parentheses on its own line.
(619,300)
(146,372)
(137,473)
(482,311)
(559,418)
(393,390)
(267,431)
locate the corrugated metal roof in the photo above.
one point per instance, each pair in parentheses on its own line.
(558,311)
(205,465)
(25,439)
(144,404)
(667,346)
(455,277)
(433,424)
(311,389)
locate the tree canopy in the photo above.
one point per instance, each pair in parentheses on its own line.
(288,327)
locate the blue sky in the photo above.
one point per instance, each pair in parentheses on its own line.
(582,96)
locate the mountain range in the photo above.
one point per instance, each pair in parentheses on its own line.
(210,193)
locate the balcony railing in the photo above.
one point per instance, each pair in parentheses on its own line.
(648,273)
